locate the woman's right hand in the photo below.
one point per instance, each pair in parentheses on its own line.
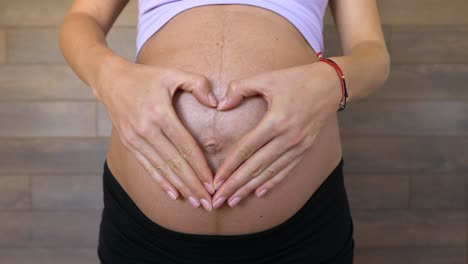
(138,100)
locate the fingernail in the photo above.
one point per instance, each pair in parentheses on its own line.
(212,99)
(222,103)
(209,188)
(262,192)
(219,202)
(194,202)
(172,195)
(206,204)
(218,184)
(234,201)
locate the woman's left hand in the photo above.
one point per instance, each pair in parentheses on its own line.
(299,99)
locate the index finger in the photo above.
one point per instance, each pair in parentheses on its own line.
(242,150)
(187,146)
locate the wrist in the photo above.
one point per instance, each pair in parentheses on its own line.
(110,66)
(333,86)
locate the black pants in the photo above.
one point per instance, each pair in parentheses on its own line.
(320,232)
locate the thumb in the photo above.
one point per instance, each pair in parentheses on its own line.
(200,88)
(237,90)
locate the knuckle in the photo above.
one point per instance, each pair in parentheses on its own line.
(124,141)
(308,140)
(169,75)
(270,172)
(186,151)
(147,166)
(244,153)
(141,127)
(278,127)
(160,170)
(194,189)
(130,138)
(184,190)
(180,186)
(296,137)
(198,192)
(200,81)
(281,123)
(157,179)
(175,165)
(242,192)
(234,85)
(256,172)
(159,114)
(276,180)
(248,188)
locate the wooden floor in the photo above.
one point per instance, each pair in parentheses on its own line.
(405,146)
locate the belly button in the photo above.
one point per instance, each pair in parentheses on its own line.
(213,146)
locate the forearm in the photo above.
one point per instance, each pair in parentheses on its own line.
(366,68)
(82,42)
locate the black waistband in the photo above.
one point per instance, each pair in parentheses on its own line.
(320,224)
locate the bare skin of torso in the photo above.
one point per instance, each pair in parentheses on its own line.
(225,42)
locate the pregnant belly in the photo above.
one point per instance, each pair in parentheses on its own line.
(225,42)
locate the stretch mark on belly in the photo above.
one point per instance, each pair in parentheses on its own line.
(220,69)
(215,145)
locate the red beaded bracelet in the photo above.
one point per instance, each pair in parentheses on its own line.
(344,91)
